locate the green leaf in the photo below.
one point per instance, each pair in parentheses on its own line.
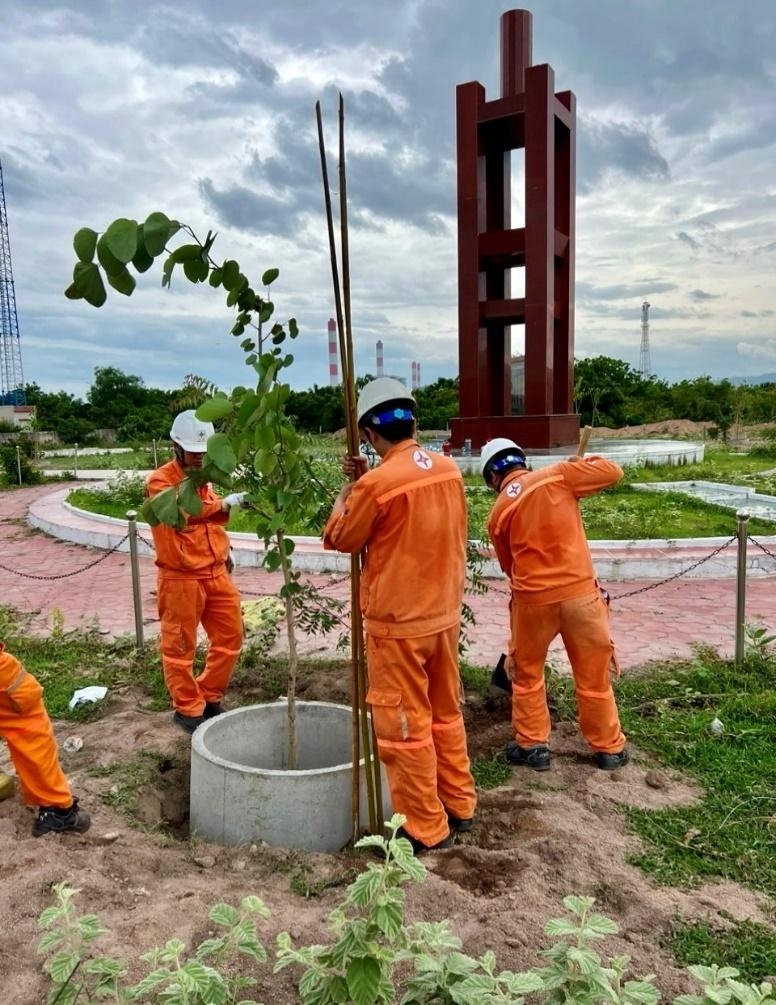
(142,260)
(72,293)
(157,230)
(121,238)
(214,409)
(88,281)
(122,282)
(84,242)
(169,265)
(216,276)
(288,546)
(188,498)
(264,462)
(269,277)
(187,253)
(196,272)
(293,328)
(220,451)
(230,274)
(107,259)
(165,507)
(62,966)
(363,977)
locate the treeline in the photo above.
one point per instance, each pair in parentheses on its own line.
(607,392)
(121,402)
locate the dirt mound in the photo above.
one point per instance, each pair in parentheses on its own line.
(537,839)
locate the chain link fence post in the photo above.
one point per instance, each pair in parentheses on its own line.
(139,640)
(19,462)
(75,460)
(742,519)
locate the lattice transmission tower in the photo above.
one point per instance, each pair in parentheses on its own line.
(644,365)
(11,376)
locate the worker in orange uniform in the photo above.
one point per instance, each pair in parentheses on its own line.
(409,513)
(26,728)
(536,530)
(194,586)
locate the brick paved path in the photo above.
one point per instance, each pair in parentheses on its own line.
(662,623)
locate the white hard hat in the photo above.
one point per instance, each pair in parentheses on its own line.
(191,434)
(499,451)
(380,392)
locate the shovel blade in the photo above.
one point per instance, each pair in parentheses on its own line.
(499,682)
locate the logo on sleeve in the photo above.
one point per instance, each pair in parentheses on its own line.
(514,489)
(421,458)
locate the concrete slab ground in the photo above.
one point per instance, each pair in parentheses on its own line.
(48,578)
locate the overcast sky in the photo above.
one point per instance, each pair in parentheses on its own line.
(206,111)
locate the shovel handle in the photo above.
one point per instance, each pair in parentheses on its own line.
(584,439)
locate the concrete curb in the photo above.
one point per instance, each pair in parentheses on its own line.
(615,561)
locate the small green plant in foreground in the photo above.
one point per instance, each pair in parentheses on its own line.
(376,956)
(174,977)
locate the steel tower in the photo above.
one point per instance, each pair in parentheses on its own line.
(644,366)
(11,377)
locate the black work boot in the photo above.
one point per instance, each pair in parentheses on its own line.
(187,722)
(537,757)
(212,709)
(55,820)
(420,849)
(460,824)
(611,762)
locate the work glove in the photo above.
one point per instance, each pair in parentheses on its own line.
(236,500)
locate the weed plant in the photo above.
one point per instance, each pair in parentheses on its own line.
(375,956)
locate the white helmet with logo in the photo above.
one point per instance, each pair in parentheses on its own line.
(499,452)
(380,392)
(191,434)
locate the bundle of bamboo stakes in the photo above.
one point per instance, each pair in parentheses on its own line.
(364,741)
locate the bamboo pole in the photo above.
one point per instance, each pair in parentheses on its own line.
(348,384)
(368,739)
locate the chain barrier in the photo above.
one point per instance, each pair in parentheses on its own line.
(676,575)
(67,575)
(498,588)
(761,546)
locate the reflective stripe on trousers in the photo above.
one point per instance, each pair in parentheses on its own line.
(26,728)
(583,624)
(414,693)
(183,605)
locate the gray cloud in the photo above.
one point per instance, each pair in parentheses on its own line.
(702,295)
(612,147)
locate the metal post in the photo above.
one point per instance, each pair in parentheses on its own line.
(153,447)
(19,462)
(75,454)
(742,518)
(140,641)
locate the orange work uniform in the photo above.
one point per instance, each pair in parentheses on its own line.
(26,728)
(537,533)
(410,515)
(193,587)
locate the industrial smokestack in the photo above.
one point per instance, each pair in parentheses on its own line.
(417,374)
(333,368)
(414,379)
(379,348)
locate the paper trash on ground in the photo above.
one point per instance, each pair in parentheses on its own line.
(87,694)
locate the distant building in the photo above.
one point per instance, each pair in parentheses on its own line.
(19,416)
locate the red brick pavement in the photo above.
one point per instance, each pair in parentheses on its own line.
(661,623)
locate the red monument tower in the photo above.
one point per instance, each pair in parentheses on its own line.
(528,115)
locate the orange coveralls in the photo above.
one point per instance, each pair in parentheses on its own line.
(410,514)
(537,533)
(194,587)
(26,728)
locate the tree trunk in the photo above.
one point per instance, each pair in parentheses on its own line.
(292,653)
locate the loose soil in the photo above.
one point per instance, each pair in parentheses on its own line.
(538,838)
